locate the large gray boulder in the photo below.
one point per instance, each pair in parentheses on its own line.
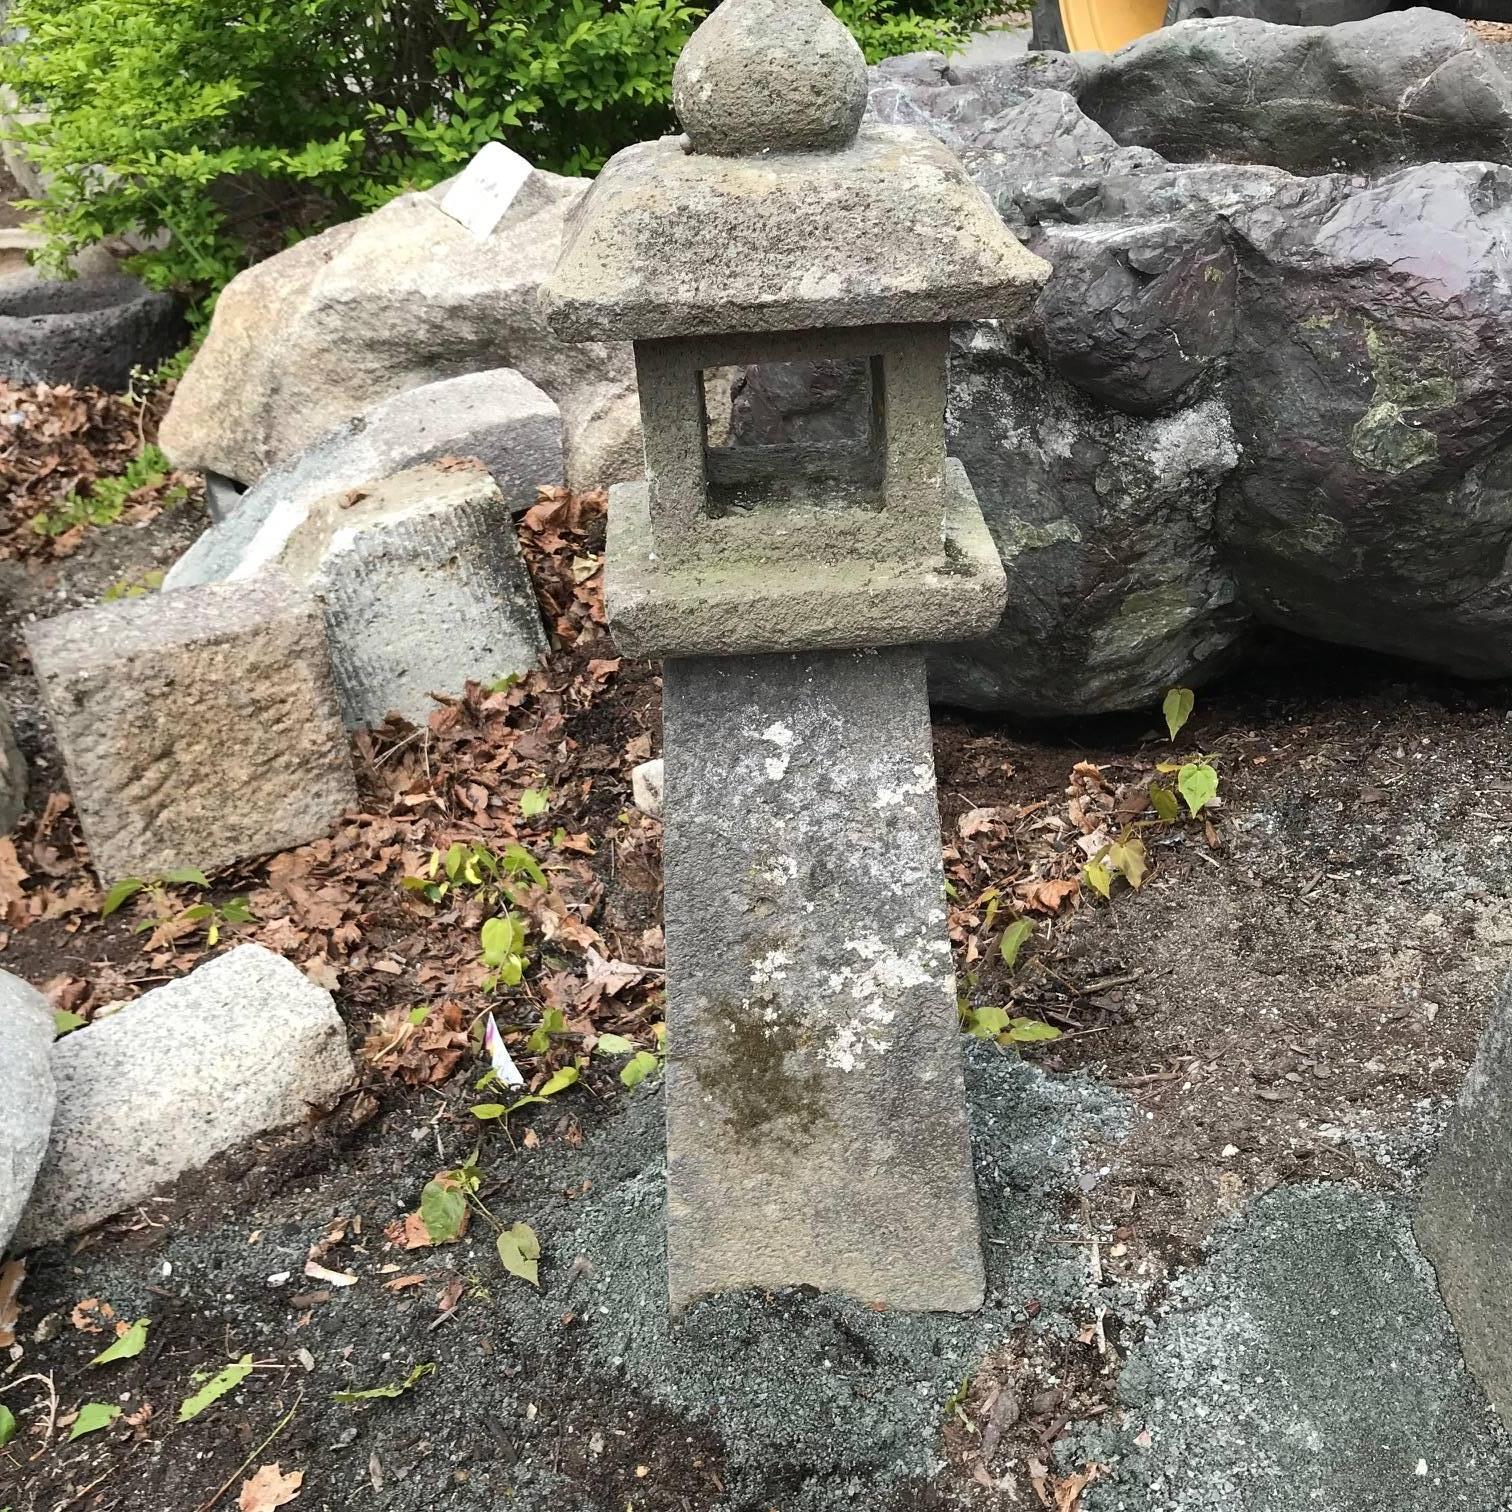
(403,297)
(27,1095)
(243,1044)
(497,416)
(13,775)
(1252,392)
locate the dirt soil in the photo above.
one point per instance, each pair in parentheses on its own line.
(1288,999)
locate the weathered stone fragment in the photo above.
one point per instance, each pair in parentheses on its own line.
(423,588)
(646,784)
(26,1094)
(197,728)
(12,775)
(1464,1219)
(306,340)
(816,1126)
(245,1044)
(497,416)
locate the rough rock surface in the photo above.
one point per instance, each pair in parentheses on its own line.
(646,785)
(1464,1221)
(26,1095)
(1323,357)
(423,588)
(243,1044)
(816,1122)
(91,330)
(305,341)
(12,775)
(197,728)
(1307,1363)
(497,416)
(765,75)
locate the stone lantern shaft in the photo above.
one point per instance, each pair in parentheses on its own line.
(816,1120)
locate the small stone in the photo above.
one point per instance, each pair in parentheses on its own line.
(646,787)
(497,417)
(770,76)
(423,587)
(26,1095)
(12,776)
(197,728)
(242,1045)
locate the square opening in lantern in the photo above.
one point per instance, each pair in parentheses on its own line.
(801,433)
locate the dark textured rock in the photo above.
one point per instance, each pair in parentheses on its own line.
(1371,391)
(1464,1220)
(816,1122)
(85,331)
(1408,87)
(1104,522)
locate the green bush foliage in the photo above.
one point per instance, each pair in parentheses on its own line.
(218,130)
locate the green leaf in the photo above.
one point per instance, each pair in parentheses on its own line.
(442,1209)
(1198,784)
(1177,708)
(394,1389)
(519,1249)
(501,939)
(638,1068)
(65,1022)
(518,861)
(7,1426)
(985,1023)
(1014,938)
(92,1417)
(558,1081)
(1098,877)
(1129,857)
(1027,1031)
(534,801)
(489,1110)
(613,1044)
(127,1347)
(1163,801)
(215,1388)
(183,875)
(127,887)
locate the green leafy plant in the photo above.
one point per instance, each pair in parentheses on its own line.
(7,1426)
(382,1393)
(127,1347)
(503,942)
(211,132)
(1177,708)
(92,1417)
(137,587)
(642,1063)
(1007,1029)
(1014,939)
(213,1386)
(520,1250)
(165,911)
(559,1080)
(107,497)
(499,879)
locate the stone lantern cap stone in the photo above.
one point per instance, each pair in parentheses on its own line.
(886,230)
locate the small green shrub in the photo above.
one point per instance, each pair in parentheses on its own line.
(107,497)
(215,131)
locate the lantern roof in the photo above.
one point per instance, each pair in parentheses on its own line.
(779,210)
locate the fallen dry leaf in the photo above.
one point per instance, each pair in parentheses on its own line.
(269,1489)
(1047,896)
(12,1274)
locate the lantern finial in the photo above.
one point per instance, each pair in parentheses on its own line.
(770,76)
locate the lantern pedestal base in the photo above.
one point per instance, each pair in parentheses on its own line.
(816,1115)
(767,602)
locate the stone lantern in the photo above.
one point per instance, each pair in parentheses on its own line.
(815,1111)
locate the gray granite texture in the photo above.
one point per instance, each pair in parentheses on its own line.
(13,775)
(27,1096)
(759,600)
(816,1122)
(243,1044)
(197,728)
(1464,1217)
(423,587)
(770,75)
(497,416)
(887,230)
